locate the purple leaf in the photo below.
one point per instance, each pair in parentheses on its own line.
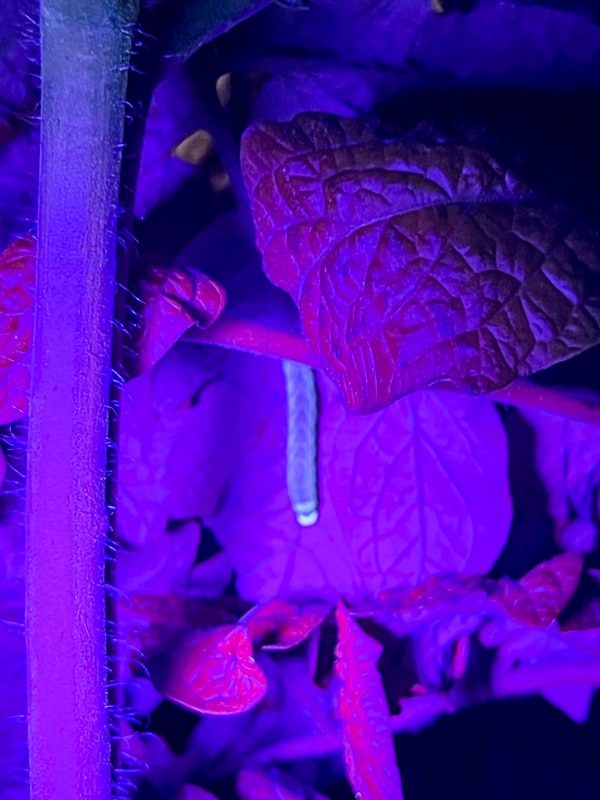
(253,784)
(293,707)
(563,667)
(191,792)
(515,44)
(162,567)
(566,457)
(417,260)
(173,116)
(416,490)
(441,649)
(178,442)
(368,742)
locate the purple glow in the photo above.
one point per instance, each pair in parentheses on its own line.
(451,558)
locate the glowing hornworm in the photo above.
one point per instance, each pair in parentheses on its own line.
(301,473)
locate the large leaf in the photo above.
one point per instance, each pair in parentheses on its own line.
(174,300)
(368,742)
(416,490)
(417,260)
(508,43)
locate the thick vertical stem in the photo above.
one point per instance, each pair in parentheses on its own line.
(85,50)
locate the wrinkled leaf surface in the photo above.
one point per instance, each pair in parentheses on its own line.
(418,260)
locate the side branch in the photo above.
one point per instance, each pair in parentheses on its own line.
(252,337)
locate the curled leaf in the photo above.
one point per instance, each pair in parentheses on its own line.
(214,672)
(417,260)
(542,594)
(174,301)
(369,751)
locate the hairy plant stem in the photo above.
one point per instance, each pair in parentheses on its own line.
(255,338)
(85,48)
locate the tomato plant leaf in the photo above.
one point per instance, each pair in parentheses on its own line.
(198,22)
(416,490)
(417,260)
(214,672)
(254,784)
(566,458)
(369,751)
(17,270)
(539,596)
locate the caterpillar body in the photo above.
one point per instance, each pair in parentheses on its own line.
(301,449)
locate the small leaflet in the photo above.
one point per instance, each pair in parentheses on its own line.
(281,625)
(173,302)
(191,792)
(17,267)
(214,672)
(301,450)
(369,752)
(542,594)
(417,260)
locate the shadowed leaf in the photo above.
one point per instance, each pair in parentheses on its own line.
(281,625)
(253,784)
(17,265)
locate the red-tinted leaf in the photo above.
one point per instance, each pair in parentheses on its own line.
(540,596)
(434,591)
(214,672)
(417,260)
(17,266)
(253,784)
(368,742)
(562,667)
(176,610)
(280,625)
(174,301)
